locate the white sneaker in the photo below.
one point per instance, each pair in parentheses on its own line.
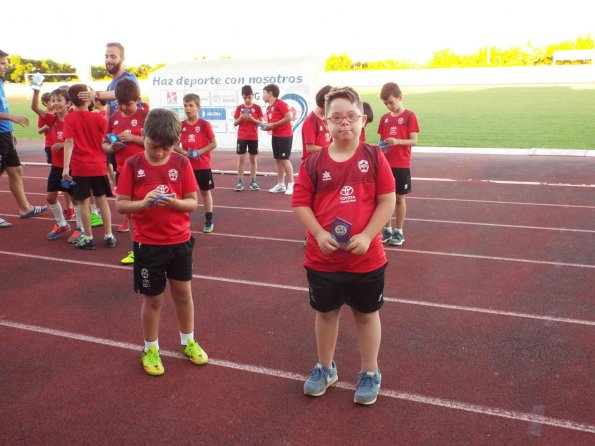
(278,189)
(289,190)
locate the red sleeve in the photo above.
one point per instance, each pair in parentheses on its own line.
(259,113)
(309,131)
(209,129)
(236,114)
(125,181)
(283,107)
(413,125)
(303,189)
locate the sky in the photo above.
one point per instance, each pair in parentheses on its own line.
(154,32)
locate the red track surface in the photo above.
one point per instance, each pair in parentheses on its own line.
(488,327)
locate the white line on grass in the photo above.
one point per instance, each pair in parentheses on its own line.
(565,320)
(411,397)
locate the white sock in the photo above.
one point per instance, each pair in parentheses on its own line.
(58,215)
(185,336)
(289,184)
(154,343)
(389,228)
(399,230)
(79,219)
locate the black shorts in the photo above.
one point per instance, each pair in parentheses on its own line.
(85,185)
(8,153)
(204,178)
(154,264)
(281,147)
(250,144)
(48,154)
(402,180)
(54,179)
(361,291)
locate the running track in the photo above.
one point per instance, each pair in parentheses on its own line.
(488,326)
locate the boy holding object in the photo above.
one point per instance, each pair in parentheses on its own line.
(348,187)
(158,189)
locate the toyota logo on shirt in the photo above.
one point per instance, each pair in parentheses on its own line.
(163,188)
(347,195)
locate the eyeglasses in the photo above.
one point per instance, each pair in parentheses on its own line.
(336,118)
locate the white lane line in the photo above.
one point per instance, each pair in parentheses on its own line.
(305,289)
(497,225)
(412,397)
(518,203)
(536,183)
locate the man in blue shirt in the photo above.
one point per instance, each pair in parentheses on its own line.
(9,159)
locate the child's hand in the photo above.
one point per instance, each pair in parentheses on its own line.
(359,244)
(391,141)
(57,146)
(126,137)
(326,242)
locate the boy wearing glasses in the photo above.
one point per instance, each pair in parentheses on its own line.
(343,195)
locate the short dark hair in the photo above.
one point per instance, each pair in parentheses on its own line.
(344,93)
(368,112)
(388,90)
(61,91)
(116,45)
(3,54)
(192,97)
(46,97)
(163,127)
(127,90)
(73,93)
(321,94)
(273,89)
(247,90)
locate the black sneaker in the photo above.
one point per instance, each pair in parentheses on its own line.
(85,243)
(110,241)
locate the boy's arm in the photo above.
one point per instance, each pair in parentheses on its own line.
(125,204)
(210,146)
(35,104)
(412,141)
(385,206)
(17,119)
(326,243)
(286,118)
(68,146)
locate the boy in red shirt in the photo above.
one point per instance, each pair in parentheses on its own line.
(43,126)
(398,131)
(127,125)
(279,122)
(315,134)
(247,116)
(158,189)
(196,143)
(343,195)
(86,161)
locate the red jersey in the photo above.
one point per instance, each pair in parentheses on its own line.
(49,137)
(398,127)
(118,123)
(275,112)
(314,131)
(158,225)
(197,136)
(247,130)
(86,129)
(57,131)
(347,190)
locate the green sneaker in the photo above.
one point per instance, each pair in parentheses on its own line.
(96,220)
(152,362)
(129,259)
(196,354)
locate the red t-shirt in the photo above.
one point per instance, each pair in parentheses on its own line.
(347,190)
(118,123)
(197,136)
(247,130)
(86,129)
(275,112)
(314,131)
(57,131)
(158,225)
(49,137)
(398,127)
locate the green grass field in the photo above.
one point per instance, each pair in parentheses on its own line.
(509,117)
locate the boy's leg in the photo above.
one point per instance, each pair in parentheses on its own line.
(400,211)
(288,171)
(326,328)
(368,329)
(181,292)
(84,206)
(280,172)
(106,215)
(253,166)
(151,315)
(17,188)
(241,160)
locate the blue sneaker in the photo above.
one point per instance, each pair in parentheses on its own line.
(386,234)
(320,379)
(397,238)
(367,388)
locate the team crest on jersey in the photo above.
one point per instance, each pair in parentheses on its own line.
(400,121)
(116,122)
(191,138)
(134,123)
(363,165)
(393,130)
(140,173)
(173,174)
(197,129)
(326,176)
(59,136)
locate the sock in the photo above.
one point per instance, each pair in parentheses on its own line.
(389,228)
(150,344)
(400,230)
(185,336)
(289,184)
(58,215)
(208,216)
(79,220)
(106,235)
